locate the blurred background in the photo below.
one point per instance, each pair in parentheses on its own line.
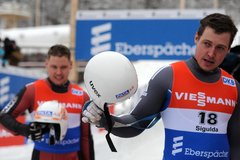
(54,22)
(29,27)
(45,12)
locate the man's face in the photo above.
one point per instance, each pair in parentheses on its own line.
(211,48)
(58,69)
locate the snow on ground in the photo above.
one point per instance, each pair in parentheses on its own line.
(146,146)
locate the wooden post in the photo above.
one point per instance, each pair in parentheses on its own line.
(182,4)
(37,12)
(215,5)
(73,76)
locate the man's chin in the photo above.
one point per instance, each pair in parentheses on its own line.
(58,82)
(208,69)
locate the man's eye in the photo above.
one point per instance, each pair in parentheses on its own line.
(221,48)
(206,43)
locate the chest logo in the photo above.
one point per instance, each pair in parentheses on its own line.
(202,99)
(228,81)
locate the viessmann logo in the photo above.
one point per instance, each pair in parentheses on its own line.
(202,99)
(64,104)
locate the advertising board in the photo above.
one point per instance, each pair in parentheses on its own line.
(138,34)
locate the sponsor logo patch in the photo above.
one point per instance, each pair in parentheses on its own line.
(77,92)
(44,113)
(122,94)
(228,81)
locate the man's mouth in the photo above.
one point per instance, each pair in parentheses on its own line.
(208,61)
(58,77)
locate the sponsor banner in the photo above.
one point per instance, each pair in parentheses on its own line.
(12,80)
(138,34)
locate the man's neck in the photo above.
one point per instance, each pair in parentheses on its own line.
(59,88)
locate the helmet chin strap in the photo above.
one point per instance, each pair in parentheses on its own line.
(52,135)
(110,125)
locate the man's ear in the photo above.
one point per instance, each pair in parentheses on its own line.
(71,63)
(46,63)
(196,38)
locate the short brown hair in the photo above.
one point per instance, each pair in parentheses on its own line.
(59,50)
(221,23)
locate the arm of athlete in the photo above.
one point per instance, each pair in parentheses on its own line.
(233,130)
(87,146)
(20,103)
(150,103)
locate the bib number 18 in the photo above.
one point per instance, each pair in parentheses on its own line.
(210,118)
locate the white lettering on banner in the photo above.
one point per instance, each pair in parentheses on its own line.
(4,133)
(101,36)
(66,105)
(5,88)
(201,99)
(207,154)
(155,50)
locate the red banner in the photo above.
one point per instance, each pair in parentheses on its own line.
(7,139)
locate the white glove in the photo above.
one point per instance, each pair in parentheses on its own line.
(92,114)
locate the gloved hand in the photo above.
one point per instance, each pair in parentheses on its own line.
(35,132)
(92,114)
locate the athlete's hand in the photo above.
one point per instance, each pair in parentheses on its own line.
(92,114)
(35,132)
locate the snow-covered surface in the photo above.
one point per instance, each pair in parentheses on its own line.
(146,146)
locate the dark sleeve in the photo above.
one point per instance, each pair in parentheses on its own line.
(87,146)
(151,102)
(233,130)
(13,109)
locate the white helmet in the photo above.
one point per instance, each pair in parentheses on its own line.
(55,115)
(110,77)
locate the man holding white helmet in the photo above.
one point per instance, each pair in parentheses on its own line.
(198,101)
(51,117)
(46,100)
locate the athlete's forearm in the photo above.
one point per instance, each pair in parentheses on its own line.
(118,128)
(87,146)
(12,125)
